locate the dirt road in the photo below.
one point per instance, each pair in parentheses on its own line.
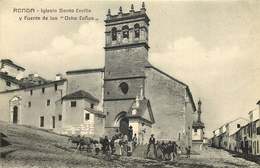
(35,148)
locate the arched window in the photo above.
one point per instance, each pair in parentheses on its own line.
(114,34)
(125,30)
(137,30)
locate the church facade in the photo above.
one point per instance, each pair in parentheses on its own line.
(128,91)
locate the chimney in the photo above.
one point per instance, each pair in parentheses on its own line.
(58,77)
(132,9)
(108,14)
(120,12)
(143,8)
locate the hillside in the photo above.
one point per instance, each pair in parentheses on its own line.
(38,148)
(35,147)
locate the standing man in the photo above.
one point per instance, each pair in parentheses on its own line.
(151,142)
(134,141)
(125,145)
(130,133)
(188,151)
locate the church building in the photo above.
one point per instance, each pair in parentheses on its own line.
(128,91)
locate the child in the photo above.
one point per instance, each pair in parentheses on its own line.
(97,147)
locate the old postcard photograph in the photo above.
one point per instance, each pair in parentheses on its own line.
(129,84)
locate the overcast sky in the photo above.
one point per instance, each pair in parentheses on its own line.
(212,46)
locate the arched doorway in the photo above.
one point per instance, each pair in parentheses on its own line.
(15,114)
(122,122)
(123,125)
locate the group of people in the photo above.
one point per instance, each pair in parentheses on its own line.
(165,150)
(119,144)
(124,144)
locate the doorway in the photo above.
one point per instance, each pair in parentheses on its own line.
(123,125)
(122,122)
(53,121)
(15,115)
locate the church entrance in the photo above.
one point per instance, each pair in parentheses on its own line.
(123,125)
(15,115)
(122,122)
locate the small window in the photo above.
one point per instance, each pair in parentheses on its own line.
(92,105)
(29,104)
(137,30)
(42,121)
(48,102)
(124,87)
(73,103)
(8,83)
(43,90)
(60,117)
(114,33)
(257,147)
(125,30)
(238,125)
(107,113)
(86,116)
(195,130)
(53,121)
(31,92)
(55,87)
(258,130)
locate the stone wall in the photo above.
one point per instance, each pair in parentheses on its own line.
(31,115)
(113,108)
(113,91)
(173,116)
(90,82)
(125,62)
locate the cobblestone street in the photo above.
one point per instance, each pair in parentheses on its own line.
(208,159)
(215,158)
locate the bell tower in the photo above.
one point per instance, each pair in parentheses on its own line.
(126,54)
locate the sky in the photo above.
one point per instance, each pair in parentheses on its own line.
(213,46)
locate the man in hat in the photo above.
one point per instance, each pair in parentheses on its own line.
(151,142)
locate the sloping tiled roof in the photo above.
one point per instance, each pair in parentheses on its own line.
(9,78)
(2,134)
(81,94)
(198,125)
(24,82)
(48,84)
(33,80)
(99,113)
(85,71)
(9,62)
(143,105)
